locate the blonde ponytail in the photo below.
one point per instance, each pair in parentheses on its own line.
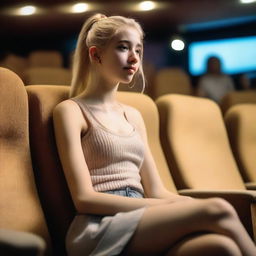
(81,61)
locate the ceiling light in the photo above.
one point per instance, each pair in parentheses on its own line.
(177,45)
(27,10)
(80,7)
(247,1)
(147,6)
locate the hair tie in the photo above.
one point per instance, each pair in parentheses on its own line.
(102,17)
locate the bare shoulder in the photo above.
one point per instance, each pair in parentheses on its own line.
(67,111)
(66,107)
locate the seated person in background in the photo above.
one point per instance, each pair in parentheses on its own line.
(214,84)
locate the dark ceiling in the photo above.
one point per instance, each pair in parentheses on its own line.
(172,15)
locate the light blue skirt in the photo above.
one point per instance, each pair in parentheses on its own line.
(93,235)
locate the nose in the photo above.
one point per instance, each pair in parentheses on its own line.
(133,57)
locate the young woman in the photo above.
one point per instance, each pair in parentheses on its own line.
(122,205)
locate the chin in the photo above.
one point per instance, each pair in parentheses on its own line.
(126,81)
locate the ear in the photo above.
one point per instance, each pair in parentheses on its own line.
(94,54)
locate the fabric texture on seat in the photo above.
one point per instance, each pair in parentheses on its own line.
(56,199)
(237,97)
(149,112)
(171,80)
(196,144)
(47,75)
(20,208)
(241,125)
(45,58)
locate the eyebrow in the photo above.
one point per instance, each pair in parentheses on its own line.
(129,42)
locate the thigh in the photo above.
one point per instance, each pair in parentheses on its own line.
(162,226)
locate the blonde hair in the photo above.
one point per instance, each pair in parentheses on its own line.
(97,30)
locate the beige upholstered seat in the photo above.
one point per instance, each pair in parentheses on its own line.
(54,193)
(198,152)
(171,80)
(53,188)
(238,97)
(241,125)
(47,75)
(150,115)
(15,63)
(196,143)
(45,58)
(20,208)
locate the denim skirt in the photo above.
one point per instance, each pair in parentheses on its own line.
(103,235)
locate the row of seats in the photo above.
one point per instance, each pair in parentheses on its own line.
(37,58)
(46,67)
(186,134)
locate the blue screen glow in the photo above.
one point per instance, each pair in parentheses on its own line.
(238,55)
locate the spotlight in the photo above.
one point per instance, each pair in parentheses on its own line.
(177,44)
(147,5)
(247,1)
(79,8)
(27,10)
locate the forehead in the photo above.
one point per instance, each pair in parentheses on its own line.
(128,34)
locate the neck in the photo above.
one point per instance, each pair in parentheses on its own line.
(100,91)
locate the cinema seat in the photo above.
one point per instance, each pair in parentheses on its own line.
(17,64)
(55,197)
(198,152)
(171,80)
(23,229)
(241,126)
(237,97)
(53,189)
(47,75)
(45,58)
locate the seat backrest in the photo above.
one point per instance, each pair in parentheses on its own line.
(171,80)
(20,208)
(149,112)
(15,63)
(241,125)
(55,196)
(237,97)
(47,75)
(45,58)
(196,144)
(56,199)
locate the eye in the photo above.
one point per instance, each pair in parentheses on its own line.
(123,47)
(138,51)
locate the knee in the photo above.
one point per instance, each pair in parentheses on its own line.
(208,244)
(218,208)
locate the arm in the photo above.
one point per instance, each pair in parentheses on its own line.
(69,124)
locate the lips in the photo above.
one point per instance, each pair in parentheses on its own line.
(131,69)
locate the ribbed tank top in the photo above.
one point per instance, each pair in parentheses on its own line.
(113,160)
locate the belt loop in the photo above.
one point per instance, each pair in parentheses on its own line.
(127,191)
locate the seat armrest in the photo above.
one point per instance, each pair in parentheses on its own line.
(226,194)
(250,185)
(244,201)
(21,243)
